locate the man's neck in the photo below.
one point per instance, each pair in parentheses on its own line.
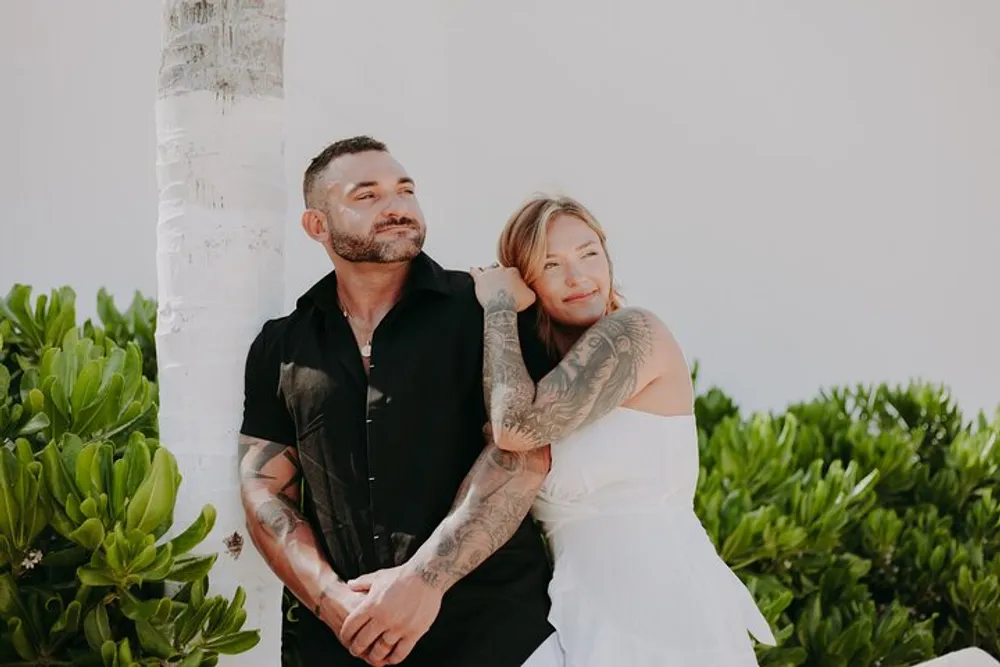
(367,291)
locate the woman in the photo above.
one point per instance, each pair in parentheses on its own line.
(637,580)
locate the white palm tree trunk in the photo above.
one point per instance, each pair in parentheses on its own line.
(219,124)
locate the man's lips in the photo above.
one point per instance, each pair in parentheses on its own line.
(390,228)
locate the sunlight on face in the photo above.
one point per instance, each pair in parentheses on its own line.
(373,209)
(575,281)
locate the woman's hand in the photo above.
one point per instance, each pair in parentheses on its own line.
(494,281)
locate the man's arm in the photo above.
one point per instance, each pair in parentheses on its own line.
(403,602)
(269,482)
(492,502)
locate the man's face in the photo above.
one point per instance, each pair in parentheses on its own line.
(371,209)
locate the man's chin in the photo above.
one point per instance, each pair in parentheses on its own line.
(402,250)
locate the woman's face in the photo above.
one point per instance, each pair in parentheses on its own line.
(575,281)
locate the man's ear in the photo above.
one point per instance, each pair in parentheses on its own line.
(316,224)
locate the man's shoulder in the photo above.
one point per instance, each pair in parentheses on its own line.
(275,334)
(460,284)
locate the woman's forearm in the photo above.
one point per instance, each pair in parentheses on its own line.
(509,389)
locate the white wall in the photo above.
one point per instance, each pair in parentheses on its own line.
(809,194)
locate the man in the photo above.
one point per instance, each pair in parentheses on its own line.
(369,398)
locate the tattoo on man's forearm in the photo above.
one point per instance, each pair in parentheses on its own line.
(279,517)
(599,373)
(324,594)
(496,501)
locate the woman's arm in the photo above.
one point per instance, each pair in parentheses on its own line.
(611,362)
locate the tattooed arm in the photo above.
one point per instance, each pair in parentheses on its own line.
(269,482)
(403,602)
(492,502)
(610,363)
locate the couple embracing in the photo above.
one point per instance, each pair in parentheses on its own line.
(410,433)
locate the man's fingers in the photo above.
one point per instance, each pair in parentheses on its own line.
(402,650)
(365,637)
(363,583)
(354,622)
(381,649)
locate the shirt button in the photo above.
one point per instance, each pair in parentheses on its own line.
(368,421)
(371,479)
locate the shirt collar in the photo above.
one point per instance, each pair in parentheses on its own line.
(424,275)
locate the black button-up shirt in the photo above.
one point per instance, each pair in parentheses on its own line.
(383,456)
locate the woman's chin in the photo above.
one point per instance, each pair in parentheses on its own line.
(579,320)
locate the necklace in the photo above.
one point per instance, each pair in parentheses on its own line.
(366,349)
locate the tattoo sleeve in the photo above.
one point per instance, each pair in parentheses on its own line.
(493,501)
(603,369)
(269,480)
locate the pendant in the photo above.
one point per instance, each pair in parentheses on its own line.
(366,351)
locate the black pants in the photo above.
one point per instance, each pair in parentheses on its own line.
(490,634)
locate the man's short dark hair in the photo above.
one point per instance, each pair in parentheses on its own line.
(360,144)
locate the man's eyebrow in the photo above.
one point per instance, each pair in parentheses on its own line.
(371,184)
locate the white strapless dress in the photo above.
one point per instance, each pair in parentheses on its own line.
(637,581)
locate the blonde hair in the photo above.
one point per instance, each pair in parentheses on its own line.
(523,245)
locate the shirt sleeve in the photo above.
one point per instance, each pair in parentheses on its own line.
(265,413)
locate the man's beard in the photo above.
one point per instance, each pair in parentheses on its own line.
(370,249)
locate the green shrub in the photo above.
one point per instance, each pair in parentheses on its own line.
(866,521)
(87,496)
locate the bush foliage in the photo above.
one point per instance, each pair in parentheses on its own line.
(87,498)
(866,521)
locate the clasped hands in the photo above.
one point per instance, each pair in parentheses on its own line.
(388,611)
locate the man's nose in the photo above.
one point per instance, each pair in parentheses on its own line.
(396,206)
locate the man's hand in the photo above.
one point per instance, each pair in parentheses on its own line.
(397,610)
(335,606)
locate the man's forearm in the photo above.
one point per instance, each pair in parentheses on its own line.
(288,545)
(492,502)
(270,477)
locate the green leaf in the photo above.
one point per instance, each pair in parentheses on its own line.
(96,627)
(153,641)
(191,568)
(238,642)
(89,535)
(196,532)
(10,509)
(8,595)
(189,628)
(143,610)
(87,386)
(91,577)
(19,638)
(109,654)
(137,463)
(154,500)
(69,621)
(36,424)
(234,617)
(193,659)
(162,565)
